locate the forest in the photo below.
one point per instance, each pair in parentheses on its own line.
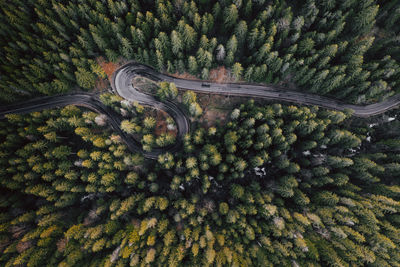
(277,185)
(347,49)
(274,184)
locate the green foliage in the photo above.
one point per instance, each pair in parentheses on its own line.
(85,79)
(167,91)
(276,186)
(320,46)
(272,175)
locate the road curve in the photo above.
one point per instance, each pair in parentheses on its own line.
(122,84)
(87,100)
(124,75)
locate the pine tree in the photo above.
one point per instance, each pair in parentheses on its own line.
(241,31)
(85,79)
(189,97)
(230,16)
(237,70)
(126,48)
(167,90)
(192,64)
(149,122)
(220,53)
(189,36)
(128,126)
(176,43)
(305,46)
(195,109)
(232,44)
(364,20)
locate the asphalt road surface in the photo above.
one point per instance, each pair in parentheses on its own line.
(90,101)
(127,72)
(122,84)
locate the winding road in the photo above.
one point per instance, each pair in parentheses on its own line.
(122,84)
(90,101)
(127,72)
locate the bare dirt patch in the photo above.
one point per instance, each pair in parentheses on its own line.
(101,85)
(184,75)
(161,121)
(221,75)
(217,108)
(161,126)
(109,67)
(218,75)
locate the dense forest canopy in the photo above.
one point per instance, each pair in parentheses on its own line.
(272,185)
(277,185)
(347,49)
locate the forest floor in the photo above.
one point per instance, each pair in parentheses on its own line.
(161,126)
(145,85)
(216,108)
(217,75)
(161,121)
(109,67)
(103,85)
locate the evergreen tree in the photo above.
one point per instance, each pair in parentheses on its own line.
(230,16)
(237,70)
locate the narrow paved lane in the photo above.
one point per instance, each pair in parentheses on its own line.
(130,70)
(122,84)
(87,100)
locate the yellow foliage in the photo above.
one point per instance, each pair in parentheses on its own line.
(195,249)
(49,231)
(221,239)
(151,240)
(134,236)
(127,251)
(150,256)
